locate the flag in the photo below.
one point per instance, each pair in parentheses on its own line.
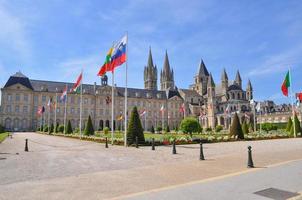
(252,102)
(143,113)
(299,97)
(64,95)
(41,110)
(162,108)
(49,102)
(118,56)
(76,86)
(227,109)
(182,108)
(119,118)
(106,64)
(258,107)
(286,84)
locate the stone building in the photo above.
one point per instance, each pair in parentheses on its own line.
(213,104)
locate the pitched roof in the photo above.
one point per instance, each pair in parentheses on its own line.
(18,78)
(234,87)
(202,70)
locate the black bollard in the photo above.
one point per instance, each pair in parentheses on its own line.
(153,146)
(174,147)
(26,145)
(250,163)
(136,142)
(106,145)
(201,157)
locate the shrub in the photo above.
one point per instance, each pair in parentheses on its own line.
(135,128)
(152,129)
(236,129)
(289,124)
(2,130)
(106,130)
(159,129)
(167,129)
(245,128)
(218,128)
(209,129)
(57,127)
(69,128)
(89,130)
(61,129)
(51,128)
(45,129)
(189,125)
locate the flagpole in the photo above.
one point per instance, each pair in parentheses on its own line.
(162,120)
(126,95)
(112,108)
(49,116)
(81,103)
(55,124)
(41,125)
(145,120)
(291,94)
(260,118)
(65,109)
(254,111)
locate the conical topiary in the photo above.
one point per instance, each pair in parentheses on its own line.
(152,129)
(51,128)
(289,124)
(69,128)
(57,127)
(245,128)
(167,129)
(236,129)
(89,130)
(297,126)
(135,128)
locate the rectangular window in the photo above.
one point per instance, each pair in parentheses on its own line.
(25,97)
(17,109)
(43,99)
(101,111)
(25,109)
(36,100)
(17,97)
(72,110)
(85,101)
(92,101)
(71,99)
(9,98)
(8,109)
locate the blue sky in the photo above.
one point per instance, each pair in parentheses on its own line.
(53,40)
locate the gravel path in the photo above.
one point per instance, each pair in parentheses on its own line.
(55,165)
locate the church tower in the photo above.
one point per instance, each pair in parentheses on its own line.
(166,75)
(211,102)
(238,80)
(249,91)
(150,74)
(224,84)
(201,78)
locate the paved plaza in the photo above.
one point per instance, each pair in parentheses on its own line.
(64,168)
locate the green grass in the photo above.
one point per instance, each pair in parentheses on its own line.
(3,136)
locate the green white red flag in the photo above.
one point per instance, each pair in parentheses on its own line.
(286,84)
(76,86)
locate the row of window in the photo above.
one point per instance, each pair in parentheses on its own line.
(17,109)
(17,97)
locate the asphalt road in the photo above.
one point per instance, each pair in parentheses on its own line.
(265,183)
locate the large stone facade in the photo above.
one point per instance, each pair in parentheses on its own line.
(21,97)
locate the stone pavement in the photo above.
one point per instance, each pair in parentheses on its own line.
(63,168)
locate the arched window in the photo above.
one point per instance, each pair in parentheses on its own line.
(101,125)
(107,123)
(238,95)
(233,96)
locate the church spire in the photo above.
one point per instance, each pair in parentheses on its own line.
(150,60)
(224,76)
(166,75)
(238,79)
(211,82)
(150,73)
(202,70)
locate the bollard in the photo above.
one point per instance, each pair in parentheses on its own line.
(106,145)
(250,163)
(153,146)
(174,147)
(201,157)
(26,145)
(136,142)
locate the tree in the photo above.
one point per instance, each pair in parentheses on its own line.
(289,124)
(89,130)
(45,129)
(245,128)
(190,125)
(2,129)
(236,129)
(61,129)
(51,128)
(167,129)
(296,125)
(158,129)
(69,128)
(57,127)
(152,129)
(135,128)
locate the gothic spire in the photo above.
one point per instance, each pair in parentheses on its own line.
(150,60)
(224,76)
(249,85)
(211,81)
(202,70)
(238,77)
(166,68)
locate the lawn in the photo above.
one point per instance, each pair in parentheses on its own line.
(3,136)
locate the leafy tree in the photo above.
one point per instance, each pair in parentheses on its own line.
(218,128)
(57,127)
(236,129)
(89,130)
(296,125)
(289,124)
(152,129)
(245,128)
(61,129)
(189,125)
(135,128)
(69,128)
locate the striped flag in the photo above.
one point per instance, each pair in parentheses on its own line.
(64,95)
(76,86)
